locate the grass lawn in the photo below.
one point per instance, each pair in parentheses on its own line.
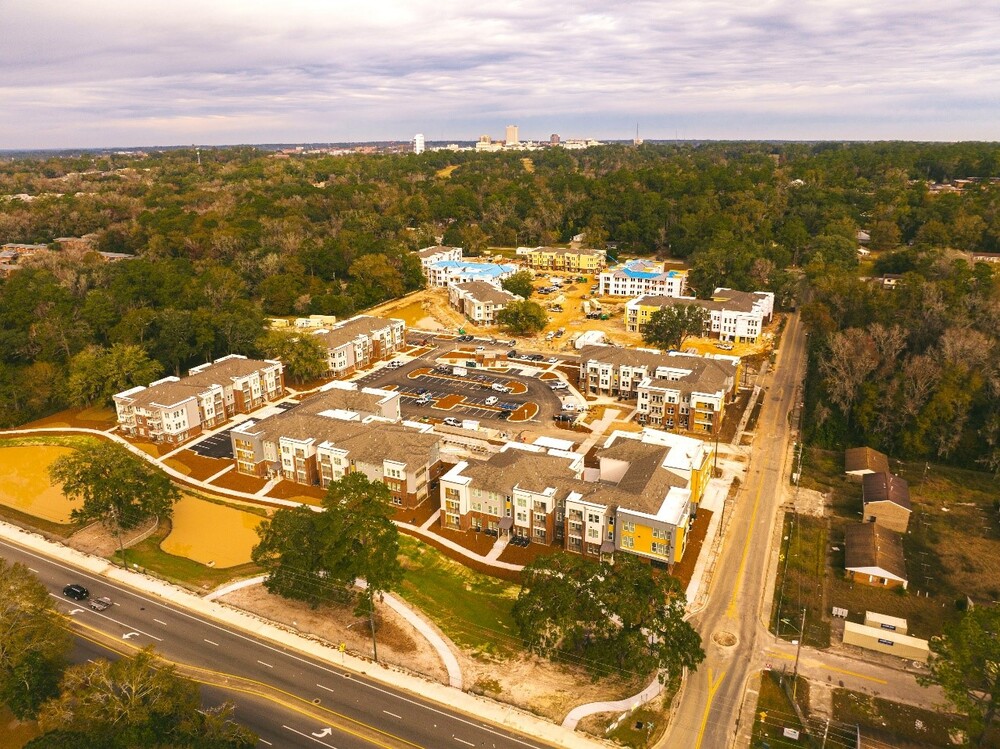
(471,608)
(801,569)
(895,723)
(775,713)
(149,556)
(13,733)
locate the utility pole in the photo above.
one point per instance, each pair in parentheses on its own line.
(371,620)
(798,650)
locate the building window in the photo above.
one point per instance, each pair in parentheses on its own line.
(628,542)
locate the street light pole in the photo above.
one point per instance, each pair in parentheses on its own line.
(798,650)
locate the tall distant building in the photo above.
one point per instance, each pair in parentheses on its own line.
(554,139)
(511,137)
(418,143)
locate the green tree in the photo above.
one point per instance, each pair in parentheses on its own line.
(303,355)
(668,327)
(522,318)
(965,663)
(520,284)
(96,373)
(33,645)
(317,557)
(620,616)
(116,487)
(135,702)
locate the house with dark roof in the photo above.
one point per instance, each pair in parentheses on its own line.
(874,555)
(859,461)
(886,500)
(175,409)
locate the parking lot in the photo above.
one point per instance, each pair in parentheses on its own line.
(440,386)
(219,444)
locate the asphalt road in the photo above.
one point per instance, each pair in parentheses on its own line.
(709,708)
(311,704)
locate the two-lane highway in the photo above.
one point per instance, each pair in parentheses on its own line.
(309,703)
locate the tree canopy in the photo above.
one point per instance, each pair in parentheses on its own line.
(33,646)
(303,355)
(616,617)
(522,318)
(115,486)
(668,327)
(520,283)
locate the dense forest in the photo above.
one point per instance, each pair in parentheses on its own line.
(236,234)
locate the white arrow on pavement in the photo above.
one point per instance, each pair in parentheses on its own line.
(324,732)
(73,612)
(129,635)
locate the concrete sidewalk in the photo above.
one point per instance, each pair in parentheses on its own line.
(473,706)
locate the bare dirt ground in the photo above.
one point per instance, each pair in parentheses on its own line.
(810,502)
(427,310)
(100,540)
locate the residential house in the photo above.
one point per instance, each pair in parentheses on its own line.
(859,461)
(479,301)
(886,500)
(874,555)
(570,259)
(733,315)
(340,431)
(445,272)
(643,278)
(985,257)
(359,342)
(174,409)
(674,391)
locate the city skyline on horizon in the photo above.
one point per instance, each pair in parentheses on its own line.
(122,76)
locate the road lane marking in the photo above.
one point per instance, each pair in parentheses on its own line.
(467,743)
(789,657)
(32,569)
(307,736)
(159,622)
(713,687)
(179,611)
(326,688)
(265,664)
(210,642)
(400,717)
(110,619)
(265,741)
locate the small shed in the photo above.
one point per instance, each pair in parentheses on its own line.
(883,641)
(886,622)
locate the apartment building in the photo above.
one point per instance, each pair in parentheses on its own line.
(479,301)
(672,390)
(173,409)
(437,254)
(341,431)
(733,315)
(359,342)
(640,500)
(442,273)
(574,260)
(643,278)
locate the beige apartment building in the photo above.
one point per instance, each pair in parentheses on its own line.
(479,301)
(359,342)
(575,260)
(672,390)
(343,430)
(732,315)
(174,410)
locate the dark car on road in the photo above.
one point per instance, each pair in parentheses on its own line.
(76,591)
(100,604)
(564,417)
(466,338)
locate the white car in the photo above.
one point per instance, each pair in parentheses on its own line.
(568,406)
(491,401)
(560,385)
(452,422)
(496,386)
(553,359)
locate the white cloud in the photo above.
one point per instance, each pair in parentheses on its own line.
(111,72)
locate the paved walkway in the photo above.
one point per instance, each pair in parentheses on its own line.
(498,547)
(236,619)
(579,713)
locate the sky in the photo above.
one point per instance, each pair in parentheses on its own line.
(102,73)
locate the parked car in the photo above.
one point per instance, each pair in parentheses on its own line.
(423,400)
(536,357)
(452,422)
(480,348)
(560,385)
(503,415)
(568,406)
(466,338)
(100,604)
(512,354)
(492,400)
(76,591)
(724,346)
(553,359)
(499,387)
(564,417)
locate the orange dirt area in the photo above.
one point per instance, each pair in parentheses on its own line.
(153,448)
(548,376)
(239,482)
(419,351)
(414,374)
(684,569)
(517,388)
(524,412)
(196,466)
(449,402)
(625,426)
(310,495)
(26,486)
(416,515)
(94,417)
(211,534)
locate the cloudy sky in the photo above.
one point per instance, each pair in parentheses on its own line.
(77,73)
